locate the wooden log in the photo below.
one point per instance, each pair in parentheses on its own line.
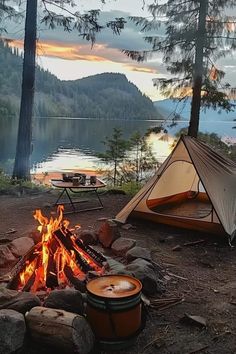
(95,255)
(21,265)
(51,281)
(67,243)
(78,284)
(65,330)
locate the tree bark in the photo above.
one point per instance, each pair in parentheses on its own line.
(64,330)
(198,70)
(24,139)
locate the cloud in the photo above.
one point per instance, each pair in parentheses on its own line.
(107,50)
(99,53)
(61,50)
(141,69)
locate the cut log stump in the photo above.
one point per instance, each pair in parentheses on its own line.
(65,330)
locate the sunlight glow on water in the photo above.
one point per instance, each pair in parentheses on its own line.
(66,160)
(162,145)
(75,159)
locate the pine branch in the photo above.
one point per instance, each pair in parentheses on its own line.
(222,37)
(86,24)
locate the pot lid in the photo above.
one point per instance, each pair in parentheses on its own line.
(114,286)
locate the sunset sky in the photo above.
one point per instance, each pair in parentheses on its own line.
(70,57)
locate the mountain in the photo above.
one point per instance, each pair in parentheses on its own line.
(168,107)
(106,95)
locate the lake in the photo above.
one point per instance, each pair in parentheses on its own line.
(71,143)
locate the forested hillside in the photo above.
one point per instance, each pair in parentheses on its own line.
(106,95)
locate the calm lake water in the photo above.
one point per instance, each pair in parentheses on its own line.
(64,143)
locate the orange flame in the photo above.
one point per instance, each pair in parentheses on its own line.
(50,256)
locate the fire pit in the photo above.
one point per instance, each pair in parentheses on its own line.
(64,260)
(58,260)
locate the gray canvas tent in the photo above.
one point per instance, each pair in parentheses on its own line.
(194,188)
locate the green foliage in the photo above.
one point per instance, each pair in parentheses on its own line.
(116,150)
(131,188)
(87,24)
(7,11)
(108,96)
(131,160)
(17,187)
(141,159)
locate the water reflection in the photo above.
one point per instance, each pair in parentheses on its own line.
(64,143)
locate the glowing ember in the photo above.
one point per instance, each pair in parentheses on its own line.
(60,259)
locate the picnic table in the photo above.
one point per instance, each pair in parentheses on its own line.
(68,189)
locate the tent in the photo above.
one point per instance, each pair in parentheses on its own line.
(195,188)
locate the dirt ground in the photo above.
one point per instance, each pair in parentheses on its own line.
(203,274)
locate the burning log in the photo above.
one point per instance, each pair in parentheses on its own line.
(78,284)
(61,329)
(98,257)
(27,259)
(91,252)
(52,281)
(67,243)
(58,260)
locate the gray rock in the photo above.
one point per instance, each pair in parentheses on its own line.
(122,245)
(12,331)
(21,245)
(108,233)
(139,262)
(114,266)
(6,256)
(67,299)
(138,252)
(89,237)
(147,274)
(18,301)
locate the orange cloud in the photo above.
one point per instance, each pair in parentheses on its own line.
(72,51)
(61,50)
(141,69)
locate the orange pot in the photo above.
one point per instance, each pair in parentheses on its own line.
(114,308)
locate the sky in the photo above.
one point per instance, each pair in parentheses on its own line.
(69,57)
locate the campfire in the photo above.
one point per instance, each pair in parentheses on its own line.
(58,260)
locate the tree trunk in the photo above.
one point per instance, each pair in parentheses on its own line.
(24,139)
(66,331)
(115,173)
(198,70)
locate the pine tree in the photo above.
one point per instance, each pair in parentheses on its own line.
(115,153)
(142,158)
(197,34)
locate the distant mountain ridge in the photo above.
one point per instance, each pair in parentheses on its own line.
(168,107)
(108,95)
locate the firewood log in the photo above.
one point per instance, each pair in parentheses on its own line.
(65,330)
(21,264)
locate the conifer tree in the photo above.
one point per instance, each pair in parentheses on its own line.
(196,34)
(142,158)
(115,153)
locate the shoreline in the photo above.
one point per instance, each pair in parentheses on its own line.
(45,178)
